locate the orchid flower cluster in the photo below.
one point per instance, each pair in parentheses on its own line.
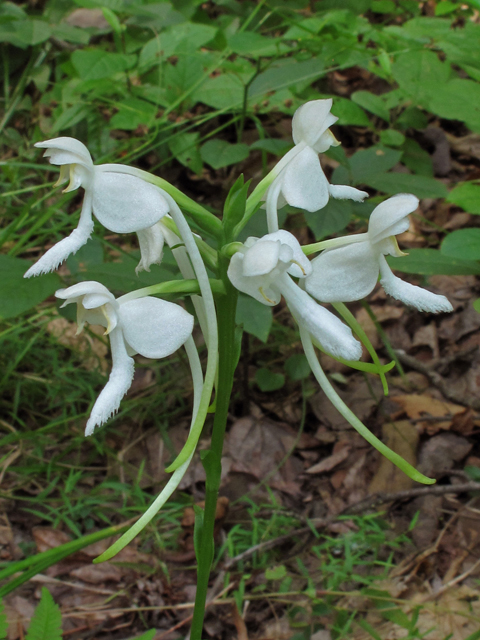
(275,266)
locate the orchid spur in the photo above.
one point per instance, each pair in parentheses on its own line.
(262,269)
(300,180)
(149,326)
(350,272)
(120,200)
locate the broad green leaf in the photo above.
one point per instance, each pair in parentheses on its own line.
(395,182)
(458,99)
(220,153)
(254,45)
(121,276)
(185,37)
(66,32)
(268,380)
(93,64)
(372,103)
(297,367)
(286,74)
(430,262)
(445,7)
(222,92)
(133,112)
(70,117)
(427,29)
(32,32)
(463,244)
(149,635)
(349,113)
(184,147)
(277,146)
(420,74)
(18,294)
(416,158)
(467,196)
(412,117)
(333,218)
(46,623)
(383,6)
(280,571)
(392,138)
(255,317)
(366,164)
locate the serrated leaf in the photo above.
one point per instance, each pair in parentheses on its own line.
(430,262)
(255,317)
(133,112)
(220,153)
(93,64)
(222,92)
(46,621)
(467,196)
(18,294)
(463,244)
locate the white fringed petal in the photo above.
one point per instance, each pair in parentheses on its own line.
(304,184)
(119,382)
(344,192)
(154,328)
(125,203)
(344,274)
(410,294)
(151,241)
(389,218)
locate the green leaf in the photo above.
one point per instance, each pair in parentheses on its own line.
(32,32)
(277,146)
(286,74)
(416,158)
(467,196)
(268,380)
(46,622)
(253,45)
(392,138)
(3,622)
(395,182)
(149,635)
(184,147)
(333,218)
(70,117)
(235,205)
(222,92)
(349,113)
(383,6)
(220,153)
(297,367)
(93,64)
(255,317)
(133,112)
(412,117)
(463,244)
(278,572)
(420,74)
(372,103)
(18,294)
(429,262)
(366,165)
(458,99)
(445,7)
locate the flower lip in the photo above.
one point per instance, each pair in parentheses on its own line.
(66,150)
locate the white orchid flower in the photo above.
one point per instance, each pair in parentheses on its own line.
(122,202)
(300,181)
(350,272)
(263,269)
(149,326)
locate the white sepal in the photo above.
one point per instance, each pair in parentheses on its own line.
(256,286)
(344,192)
(151,241)
(311,121)
(304,184)
(390,217)
(65,150)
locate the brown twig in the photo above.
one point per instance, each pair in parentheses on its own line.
(370,502)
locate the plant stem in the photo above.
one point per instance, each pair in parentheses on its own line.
(227,363)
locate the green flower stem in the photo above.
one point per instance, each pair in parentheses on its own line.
(333,243)
(226,309)
(209,254)
(357,424)
(350,319)
(187,287)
